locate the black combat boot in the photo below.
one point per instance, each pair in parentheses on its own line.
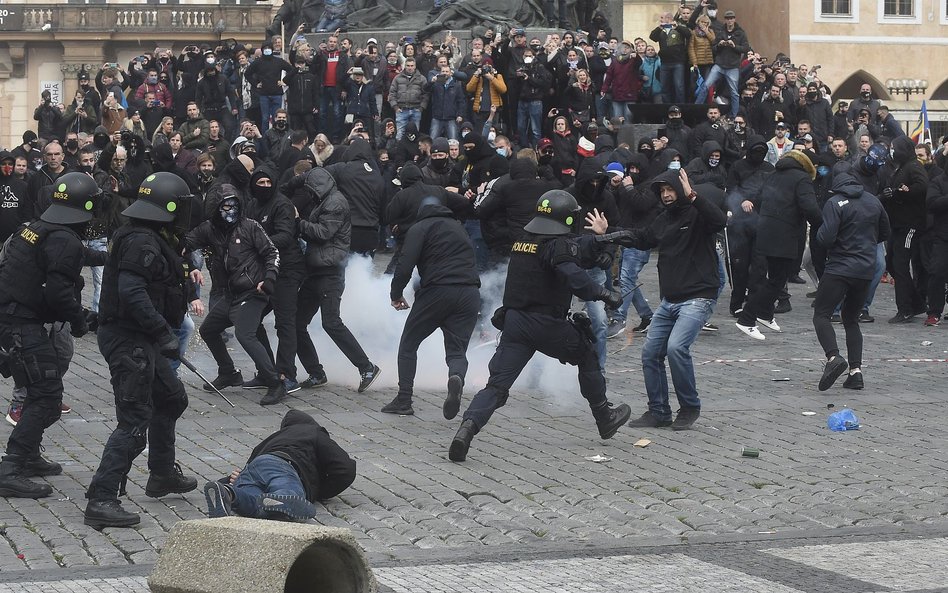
(609,419)
(276,392)
(37,466)
(462,441)
(171,483)
(108,513)
(13,482)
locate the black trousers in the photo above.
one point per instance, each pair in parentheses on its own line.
(283,303)
(525,334)
(761,302)
(365,240)
(904,248)
(453,310)
(149,399)
(244,315)
(323,292)
(38,361)
(301,120)
(852,293)
(937,265)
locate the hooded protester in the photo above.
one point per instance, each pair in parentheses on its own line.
(438,169)
(677,133)
(360,181)
(709,167)
(277,216)
(12,195)
(406,149)
(327,231)
(249,263)
(785,204)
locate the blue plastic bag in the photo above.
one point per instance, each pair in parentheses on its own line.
(843,420)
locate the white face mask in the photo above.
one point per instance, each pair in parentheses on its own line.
(714,162)
(674,165)
(528,60)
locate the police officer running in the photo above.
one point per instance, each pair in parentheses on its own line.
(546,269)
(40,282)
(144,298)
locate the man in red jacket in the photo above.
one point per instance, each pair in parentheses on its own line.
(624,80)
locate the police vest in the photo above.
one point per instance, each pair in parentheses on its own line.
(531,286)
(23,272)
(165,288)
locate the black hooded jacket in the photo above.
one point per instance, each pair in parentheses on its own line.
(592,192)
(275,214)
(402,210)
(786,203)
(323,466)
(906,209)
(482,164)
(360,181)
(327,228)
(700,170)
(510,202)
(438,244)
(406,149)
(854,223)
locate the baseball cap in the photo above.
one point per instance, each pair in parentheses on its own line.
(615,170)
(356,70)
(544,143)
(781,124)
(674,109)
(603,45)
(729,14)
(439,145)
(372,41)
(83,75)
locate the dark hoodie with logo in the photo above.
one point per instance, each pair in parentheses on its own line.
(402,210)
(906,209)
(406,150)
(276,215)
(509,202)
(684,234)
(360,181)
(324,468)
(12,196)
(854,223)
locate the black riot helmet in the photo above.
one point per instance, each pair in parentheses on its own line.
(74,197)
(556,212)
(163,197)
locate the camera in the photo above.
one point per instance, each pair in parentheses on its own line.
(155,103)
(486,69)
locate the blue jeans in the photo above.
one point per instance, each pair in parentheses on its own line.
(266,474)
(481,252)
(674,328)
(268,110)
(673,77)
(403,117)
(633,260)
(532,111)
(722,272)
(183,334)
(621,109)
(330,112)
(444,127)
(97,245)
(732,75)
(597,315)
(877,278)
(328,23)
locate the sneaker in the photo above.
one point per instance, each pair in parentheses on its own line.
(616,328)
(399,406)
(275,394)
(900,318)
(709,327)
(752,331)
(452,403)
(108,513)
(65,409)
(737,312)
(686,418)
(865,317)
(836,318)
(255,383)
(649,420)
(932,321)
(314,381)
(289,505)
(854,381)
(219,498)
(642,327)
(772,324)
(14,413)
(176,482)
(291,385)
(797,279)
(835,367)
(223,381)
(783,306)
(369,377)
(811,294)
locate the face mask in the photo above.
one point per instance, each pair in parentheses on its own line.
(502,152)
(535,47)
(545,159)
(163,59)
(675,123)
(465,133)
(674,165)
(411,137)
(280,124)
(7,170)
(757,156)
(261,193)
(528,60)
(712,162)
(738,127)
(268,52)
(712,13)
(393,62)
(667,26)
(72,144)
(152,80)
(230,216)
(439,164)
(812,95)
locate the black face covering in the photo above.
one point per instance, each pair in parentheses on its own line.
(440,164)
(72,144)
(85,169)
(757,155)
(280,124)
(545,159)
(647,150)
(867,95)
(261,193)
(674,123)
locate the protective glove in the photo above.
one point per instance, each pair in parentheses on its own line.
(168,346)
(269,286)
(612,298)
(604,260)
(79,327)
(887,193)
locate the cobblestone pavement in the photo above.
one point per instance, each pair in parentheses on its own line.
(528,487)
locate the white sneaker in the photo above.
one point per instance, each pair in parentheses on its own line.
(772,324)
(752,331)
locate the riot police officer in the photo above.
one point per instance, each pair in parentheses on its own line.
(144,298)
(40,282)
(546,269)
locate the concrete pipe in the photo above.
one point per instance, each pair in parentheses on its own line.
(258,556)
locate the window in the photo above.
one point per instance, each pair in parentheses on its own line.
(900,12)
(898,8)
(836,11)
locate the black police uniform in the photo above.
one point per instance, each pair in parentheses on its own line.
(40,282)
(144,296)
(545,271)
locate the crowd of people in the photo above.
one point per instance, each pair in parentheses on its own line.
(271,168)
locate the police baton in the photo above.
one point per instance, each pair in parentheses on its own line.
(194,370)
(727,251)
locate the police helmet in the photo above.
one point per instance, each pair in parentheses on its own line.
(74,197)
(556,212)
(160,197)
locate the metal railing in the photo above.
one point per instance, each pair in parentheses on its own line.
(171,18)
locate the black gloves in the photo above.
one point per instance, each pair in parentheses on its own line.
(612,298)
(887,193)
(269,286)
(79,327)
(604,260)
(168,346)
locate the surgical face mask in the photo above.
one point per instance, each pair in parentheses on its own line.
(674,165)
(528,60)
(152,80)
(268,52)
(713,13)
(712,162)
(502,152)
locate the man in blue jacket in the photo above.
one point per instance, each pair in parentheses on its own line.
(448,104)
